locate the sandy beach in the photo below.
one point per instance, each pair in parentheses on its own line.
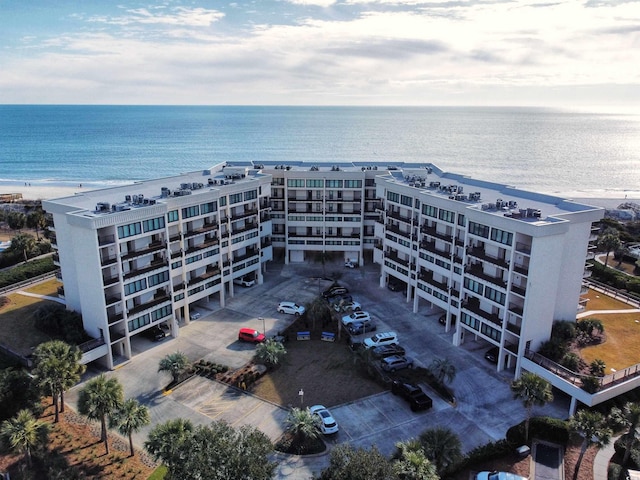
(43,191)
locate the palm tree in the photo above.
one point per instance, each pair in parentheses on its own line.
(57,367)
(129,418)
(609,241)
(37,220)
(443,370)
(165,440)
(411,462)
(100,398)
(302,425)
(271,352)
(24,433)
(442,447)
(532,390)
(628,418)
(175,364)
(593,428)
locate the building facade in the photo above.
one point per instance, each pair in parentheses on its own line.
(502,263)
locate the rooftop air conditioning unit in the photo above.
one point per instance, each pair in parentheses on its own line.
(103,206)
(127,198)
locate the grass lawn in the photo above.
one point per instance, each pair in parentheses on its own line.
(325,371)
(622,331)
(48,287)
(17,323)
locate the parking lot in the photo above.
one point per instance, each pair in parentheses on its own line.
(485,407)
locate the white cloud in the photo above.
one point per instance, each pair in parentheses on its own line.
(193,17)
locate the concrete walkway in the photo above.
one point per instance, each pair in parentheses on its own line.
(44,297)
(601,461)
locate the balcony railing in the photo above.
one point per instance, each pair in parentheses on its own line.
(397,216)
(394,257)
(108,260)
(152,266)
(482,255)
(431,247)
(246,213)
(240,258)
(204,229)
(113,318)
(475,309)
(476,271)
(145,306)
(246,228)
(517,309)
(431,230)
(152,247)
(106,240)
(523,248)
(428,278)
(206,244)
(519,290)
(521,269)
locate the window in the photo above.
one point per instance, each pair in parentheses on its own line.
(479,229)
(461,220)
(192,211)
(494,295)
(134,287)
(136,323)
(161,313)
(295,182)
(223,201)
(250,195)
(208,207)
(235,198)
(406,200)
(446,215)
(158,278)
(473,286)
(334,184)
(430,211)
(125,231)
(153,224)
(393,197)
(172,216)
(195,258)
(501,236)
(177,264)
(315,183)
(353,183)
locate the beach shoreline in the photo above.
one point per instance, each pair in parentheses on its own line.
(44,190)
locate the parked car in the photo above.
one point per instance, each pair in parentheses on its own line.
(251,335)
(326,423)
(358,316)
(194,315)
(155,333)
(397,286)
(443,319)
(498,476)
(334,290)
(244,281)
(387,351)
(396,362)
(350,264)
(360,327)
(344,306)
(492,354)
(291,308)
(385,338)
(345,297)
(418,400)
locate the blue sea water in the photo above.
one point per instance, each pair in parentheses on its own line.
(547,150)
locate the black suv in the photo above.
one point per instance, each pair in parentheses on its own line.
(418,400)
(334,291)
(154,333)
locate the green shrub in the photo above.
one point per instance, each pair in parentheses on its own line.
(591,384)
(571,361)
(25,271)
(544,428)
(553,349)
(563,330)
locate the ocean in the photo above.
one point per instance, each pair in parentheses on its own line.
(552,151)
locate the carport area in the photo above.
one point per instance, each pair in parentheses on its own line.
(485,406)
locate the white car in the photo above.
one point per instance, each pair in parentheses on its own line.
(498,476)
(194,315)
(379,339)
(357,316)
(350,264)
(244,281)
(291,308)
(347,306)
(326,423)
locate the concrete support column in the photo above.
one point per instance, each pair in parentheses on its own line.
(573,406)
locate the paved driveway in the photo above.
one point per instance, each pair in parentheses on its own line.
(485,407)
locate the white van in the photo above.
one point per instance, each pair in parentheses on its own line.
(385,338)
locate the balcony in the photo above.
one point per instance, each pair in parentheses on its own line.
(152,247)
(265,242)
(209,242)
(521,268)
(516,309)
(56,258)
(482,255)
(246,228)
(427,277)
(175,238)
(265,216)
(397,216)
(394,257)
(105,240)
(513,328)
(431,230)
(249,254)
(207,227)
(108,260)
(392,228)
(115,317)
(110,280)
(431,247)
(211,272)
(523,248)
(152,266)
(157,300)
(522,291)
(473,306)
(476,271)
(247,213)
(111,298)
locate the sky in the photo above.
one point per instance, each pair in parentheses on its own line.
(550,53)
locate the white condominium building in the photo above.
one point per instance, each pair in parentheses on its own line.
(501,262)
